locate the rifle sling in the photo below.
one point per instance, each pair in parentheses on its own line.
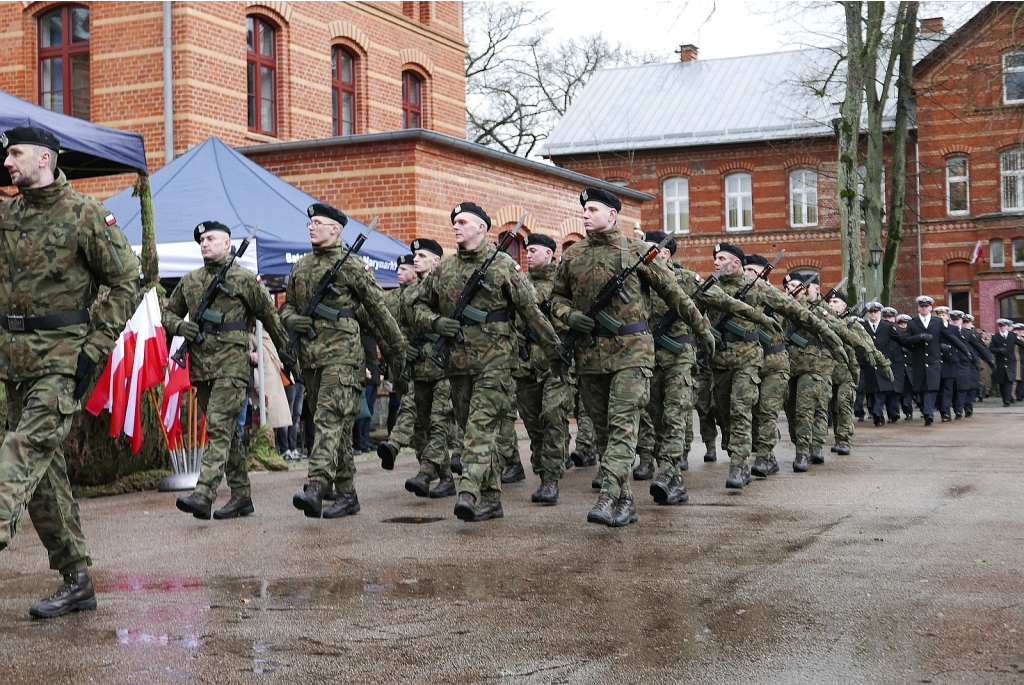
(492,317)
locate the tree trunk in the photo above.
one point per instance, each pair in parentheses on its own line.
(873,163)
(150,261)
(849,136)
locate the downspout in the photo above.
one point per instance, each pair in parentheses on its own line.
(920,257)
(168,88)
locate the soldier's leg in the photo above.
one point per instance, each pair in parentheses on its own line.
(506,443)
(745,390)
(671,400)
(33,473)
(336,395)
(806,402)
(236,468)
(586,436)
(439,429)
(646,446)
(614,402)
(704,404)
(481,404)
(444,415)
(529,401)
(770,402)
(842,413)
(401,435)
(221,400)
(556,399)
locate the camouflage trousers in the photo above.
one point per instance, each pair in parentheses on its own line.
(506,443)
(481,403)
(614,402)
(586,438)
(704,403)
(646,438)
(222,400)
(771,401)
(334,394)
(544,407)
(33,473)
(424,423)
(808,393)
(735,393)
(671,402)
(841,408)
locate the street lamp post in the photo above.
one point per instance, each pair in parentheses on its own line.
(875,259)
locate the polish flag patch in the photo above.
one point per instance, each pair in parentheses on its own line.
(518,267)
(109,220)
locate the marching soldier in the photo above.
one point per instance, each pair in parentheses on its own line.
(877,386)
(401,432)
(480,350)
(965,325)
(58,247)
(219,366)
(1003,348)
(333,362)
(906,398)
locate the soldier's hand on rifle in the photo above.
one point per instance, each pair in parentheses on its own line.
(83,374)
(578,321)
(445,327)
(298,323)
(521,338)
(770,325)
(188,330)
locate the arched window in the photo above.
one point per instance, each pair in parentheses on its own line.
(958,196)
(64,61)
(739,212)
(515,249)
(261,72)
(803,198)
(343,90)
(676,196)
(412,100)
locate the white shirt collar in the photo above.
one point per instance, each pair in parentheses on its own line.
(924,320)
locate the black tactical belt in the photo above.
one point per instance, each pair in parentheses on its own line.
(625,329)
(775,349)
(751,336)
(335,314)
(49,322)
(493,317)
(208,327)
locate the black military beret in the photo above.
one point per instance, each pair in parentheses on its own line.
(327,212)
(731,249)
(472,208)
(602,196)
(657,236)
(405,259)
(207,227)
(840,295)
(874,306)
(755,260)
(29,135)
(542,240)
(427,245)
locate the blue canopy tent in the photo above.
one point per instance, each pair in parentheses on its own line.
(86,150)
(212,181)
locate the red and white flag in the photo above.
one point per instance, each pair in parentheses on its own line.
(976,253)
(175,382)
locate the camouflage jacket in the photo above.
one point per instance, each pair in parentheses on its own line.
(485,346)
(738,351)
(585,268)
(224,354)
(58,247)
(337,343)
(796,315)
(542,278)
(420,343)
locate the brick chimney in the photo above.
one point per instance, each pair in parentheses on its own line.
(687,53)
(931,26)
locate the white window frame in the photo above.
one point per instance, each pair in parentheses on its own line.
(1017,176)
(1013,252)
(965,179)
(806,196)
(1011,70)
(676,204)
(738,197)
(992,252)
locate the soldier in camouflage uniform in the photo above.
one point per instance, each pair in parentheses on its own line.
(703,403)
(615,371)
(401,434)
(646,442)
(430,402)
(219,365)
(506,447)
(543,398)
(333,362)
(58,247)
(585,450)
(480,350)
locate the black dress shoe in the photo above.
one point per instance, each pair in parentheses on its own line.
(547,493)
(711,455)
(860,417)
(625,512)
(644,470)
(736,479)
(467,510)
(800,463)
(763,468)
(816,456)
(596,483)
(842,449)
(946,417)
(583,458)
(419,484)
(958,416)
(894,419)
(196,504)
(929,420)
(445,488)
(908,416)
(1006,404)
(879,421)
(311,500)
(513,473)
(968,411)
(75,594)
(347,504)
(387,453)
(604,510)
(236,506)
(457,464)
(669,490)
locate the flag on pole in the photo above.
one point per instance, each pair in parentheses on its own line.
(976,253)
(176,381)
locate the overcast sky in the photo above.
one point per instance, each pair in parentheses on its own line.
(719,29)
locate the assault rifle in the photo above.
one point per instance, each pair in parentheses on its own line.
(417,342)
(524,350)
(315,308)
(664,323)
(794,337)
(831,293)
(205,315)
(462,310)
(724,321)
(615,287)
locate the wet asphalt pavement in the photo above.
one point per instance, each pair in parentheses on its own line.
(901,563)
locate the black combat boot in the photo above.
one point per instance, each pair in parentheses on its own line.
(445,487)
(457,464)
(644,470)
(75,594)
(800,463)
(816,456)
(604,510)
(513,473)
(625,512)
(596,483)
(311,500)
(569,463)
(466,509)
(346,504)
(684,464)
(736,479)
(669,490)
(387,453)
(842,449)
(583,457)
(763,468)
(419,484)
(547,493)
(196,504)
(236,506)
(711,455)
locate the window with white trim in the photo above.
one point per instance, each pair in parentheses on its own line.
(1018,251)
(1011,172)
(676,195)
(803,198)
(996,255)
(739,213)
(1013,77)
(957,186)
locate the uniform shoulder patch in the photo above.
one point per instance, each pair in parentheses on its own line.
(518,267)
(109,220)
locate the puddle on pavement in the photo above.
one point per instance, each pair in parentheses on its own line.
(414,519)
(147,583)
(128,637)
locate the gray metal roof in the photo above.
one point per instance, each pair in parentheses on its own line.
(704,102)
